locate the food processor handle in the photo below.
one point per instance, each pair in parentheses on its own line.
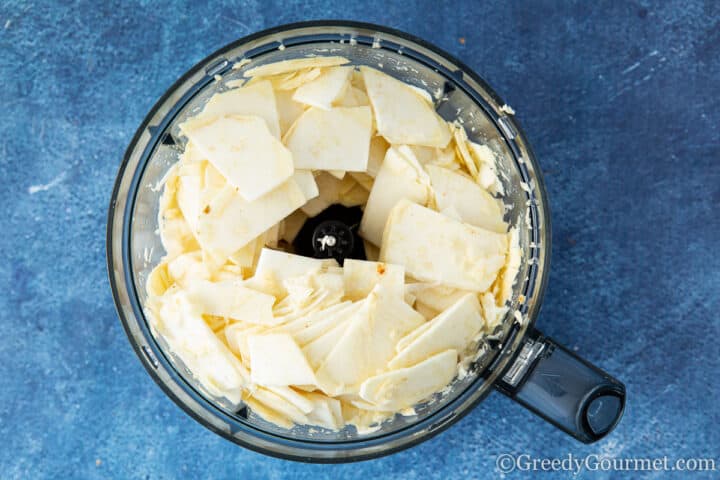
(564,389)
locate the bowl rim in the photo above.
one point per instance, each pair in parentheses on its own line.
(360,449)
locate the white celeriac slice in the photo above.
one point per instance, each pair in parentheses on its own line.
(278,404)
(410,337)
(402,388)
(437,249)
(326,89)
(326,413)
(295,80)
(452,329)
(286,66)
(189,193)
(403,116)
(362,276)
(248,255)
(236,145)
(301,401)
(236,336)
(306,181)
(229,222)
(438,297)
(257,99)
(368,342)
(267,413)
(378,150)
(487,171)
(474,204)
(306,321)
(306,295)
(332,190)
(324,321)
(188,267)
(426,311)
(352,97)
(231,299)
(372,252)
(275,267)
(276,360)
(397,179)
(158,281)
(317,350)
(336,139)
(288,109)
(461,144)
(180,323)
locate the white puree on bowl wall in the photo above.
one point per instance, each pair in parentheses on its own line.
(306,341)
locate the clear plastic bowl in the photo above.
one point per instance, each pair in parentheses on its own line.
(134,246)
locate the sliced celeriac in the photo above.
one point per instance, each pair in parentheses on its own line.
(361,277)
(474,204)
(232,300)
(247,255)
(301,340)
(276,360)
(306,181)
(288,109)
(278,404)
(326,412)
(253,100)
(452,329)
(299,400)
(426,311)
(275,267)
(434,248)
(235,145)
(306,321)
(439,297)
(317,351)
(405,387)
(368,343)
(190,192)
(295,80)
(323,322)
(352,97)
(397,179)
(487,172)
(267,413)
(189,337)
(403,116)
(229,222)
(326,89)
(378,150)
(335,139)
(187,268)
(286,66)
(410,337)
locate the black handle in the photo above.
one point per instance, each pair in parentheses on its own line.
(567,391)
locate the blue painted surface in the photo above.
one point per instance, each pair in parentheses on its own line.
(620,101)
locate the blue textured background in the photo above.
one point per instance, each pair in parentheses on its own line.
(619,99)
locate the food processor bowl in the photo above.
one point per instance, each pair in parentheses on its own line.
(516,359)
